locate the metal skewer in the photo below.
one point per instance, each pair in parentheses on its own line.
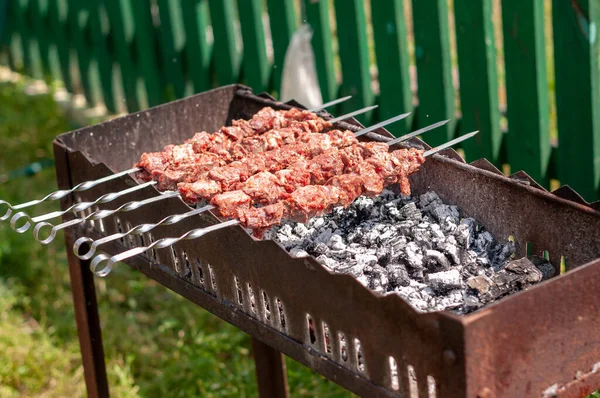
(137,230)
(330,103)
(109,197)
(97,215)
(159,244)
(84,186)
(198,232)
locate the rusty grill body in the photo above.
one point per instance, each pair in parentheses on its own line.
(370,344)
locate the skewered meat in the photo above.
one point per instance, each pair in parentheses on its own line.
(312,200)
(296,122)
(230,202)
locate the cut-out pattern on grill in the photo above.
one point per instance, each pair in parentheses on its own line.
(266,307)
(119,228)
(431,388)
(326,338)
(238,289)
(142,240)
(528,249)
(343,346)
(187,269)
(563,264)
(360,364)
(546,255)
(251,298)
(395,381)
(412,382)
(153,252)
(310,327)
(175,258)
(213,280)
(198,267)
(131,240)
(281,312)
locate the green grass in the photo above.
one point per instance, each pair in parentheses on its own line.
(157,344)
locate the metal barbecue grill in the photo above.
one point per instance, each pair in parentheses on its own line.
(539,342)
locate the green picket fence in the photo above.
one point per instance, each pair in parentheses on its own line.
(486,70)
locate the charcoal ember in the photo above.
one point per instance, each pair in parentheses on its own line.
(328,262)
(445,280)
(366,259)
(298,252)
(405,228)
(384,256)
(463,236)
(429,200)
(397,245)
(301,231)
(319,248)
(442,212)
(517,275)
(435,260)
(413,256)
(398,275)
(502,253)
(336,242)
(483,242)
(422,236)
(325,235)
(451,251)
(378,279)
(545,266)
(411,212)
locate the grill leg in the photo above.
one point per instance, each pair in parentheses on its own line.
(270,371)
(88,325)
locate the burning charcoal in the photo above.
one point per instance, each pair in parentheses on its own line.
(405,227)
(445,280)
(451,251)
(320,248)
(544,266)
(422,236)
(378,280)
(398,275)
(413,255)
(441,212)
(366,259)
(324,235)
(298,252)
(483,261)
(527,270)
(301,230)
(316,222)
(411,212)
(481,284)
(483,242)
(436,260)
(463,235)
(328,262)
(384,256)
(428,199)
(502,253)
(336,242)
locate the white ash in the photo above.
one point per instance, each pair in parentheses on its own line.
(416,247)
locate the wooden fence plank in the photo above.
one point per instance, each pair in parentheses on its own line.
(145,49)
(434,68)
(526,88)
(88,68)
(255,64)
(123,30)
(171,38)
(354,56)
(226,55)
(23,27)
(282,19)
(577,94)
(391,50)
(317,15)
(58,23)
(478,78)
(198,51)
(99,30)
(38,14)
